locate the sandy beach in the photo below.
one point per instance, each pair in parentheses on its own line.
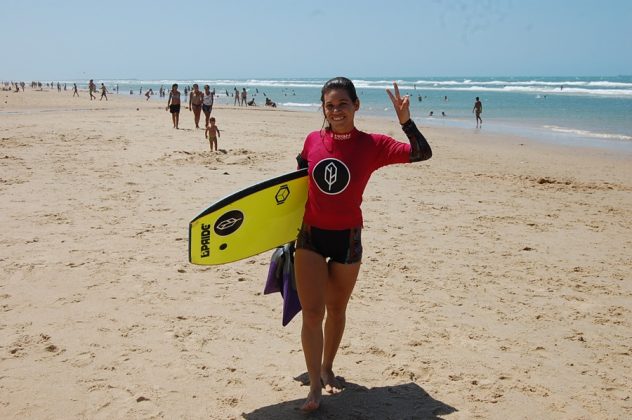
(496,279)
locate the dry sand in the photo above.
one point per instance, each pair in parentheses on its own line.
(496,280)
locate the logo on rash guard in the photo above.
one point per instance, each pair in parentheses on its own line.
(331,175)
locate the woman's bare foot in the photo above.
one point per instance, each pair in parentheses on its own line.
(312,403)
(331,384)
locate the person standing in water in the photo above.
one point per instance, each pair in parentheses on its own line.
(340,159)
(478,110)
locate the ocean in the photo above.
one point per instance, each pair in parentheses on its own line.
(582,111)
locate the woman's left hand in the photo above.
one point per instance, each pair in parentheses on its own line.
(401,104)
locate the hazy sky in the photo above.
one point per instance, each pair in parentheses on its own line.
(52,40)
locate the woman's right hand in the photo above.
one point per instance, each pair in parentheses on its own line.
(401,104)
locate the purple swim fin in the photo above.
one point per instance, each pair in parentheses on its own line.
(291,302)
(281,279)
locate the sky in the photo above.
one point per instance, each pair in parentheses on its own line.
(241,39)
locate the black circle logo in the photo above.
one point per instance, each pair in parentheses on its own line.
(331,175)
(228,223)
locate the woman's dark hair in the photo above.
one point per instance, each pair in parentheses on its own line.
(339,83)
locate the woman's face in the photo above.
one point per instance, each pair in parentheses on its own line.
(339,110)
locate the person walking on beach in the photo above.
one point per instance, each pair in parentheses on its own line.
(75,92)
(340,160)
(212,133)
(207,103)
(104,92)
(478,110)
(92,88)
(195,104)
(173,105)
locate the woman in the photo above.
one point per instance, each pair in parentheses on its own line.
(244,97)
(104,92)
(195,104)
(207,103)
(340,160)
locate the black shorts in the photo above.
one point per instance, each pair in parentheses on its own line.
(341,246)
(174,109)
(207,108)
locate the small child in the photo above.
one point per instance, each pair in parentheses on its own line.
(212,133)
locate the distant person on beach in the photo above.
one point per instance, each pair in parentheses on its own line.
(195,103)
(173,105)
(244,97)
(92,88)
(236,95)
(478,110)
(252,102)
(207,103)
(212,133)
(270,102)
(339,160)
(148,94)
(104,92)
(75,91)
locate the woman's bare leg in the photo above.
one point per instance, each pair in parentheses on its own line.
(311,276)
(340,283)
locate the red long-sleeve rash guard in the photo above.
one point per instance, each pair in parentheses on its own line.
(339,168)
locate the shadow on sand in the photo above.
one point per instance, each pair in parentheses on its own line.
(407,401)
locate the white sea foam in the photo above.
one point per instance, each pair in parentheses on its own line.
(576,87)
(537,90)
(299,105)
(586,133)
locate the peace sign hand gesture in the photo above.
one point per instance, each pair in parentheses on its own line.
(401,105)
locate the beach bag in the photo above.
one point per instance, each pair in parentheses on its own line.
(281,279)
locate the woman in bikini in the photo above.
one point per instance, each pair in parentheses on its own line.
(195,103)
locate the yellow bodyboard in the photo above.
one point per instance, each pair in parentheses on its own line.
(250,221)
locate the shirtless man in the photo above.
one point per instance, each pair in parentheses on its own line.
(195,103)
(173,105)
(478,109)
